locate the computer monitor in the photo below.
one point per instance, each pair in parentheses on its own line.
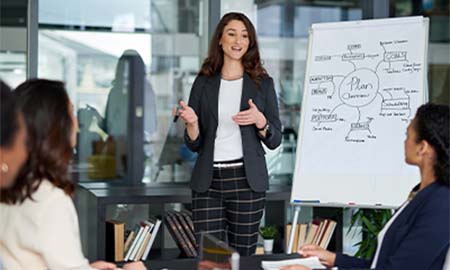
(216,254)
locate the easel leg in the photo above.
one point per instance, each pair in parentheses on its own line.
(293,228)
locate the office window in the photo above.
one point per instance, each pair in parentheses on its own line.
(282,28)
(125,64)
(13,66)
(438,47)
(13,41)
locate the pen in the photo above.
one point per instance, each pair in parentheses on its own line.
(177,114)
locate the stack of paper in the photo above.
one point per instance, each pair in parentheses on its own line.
(312,262)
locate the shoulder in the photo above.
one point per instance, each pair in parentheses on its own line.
(266,78)
(200,80)
(198,83)
(48,192)
(437,203)
(440,196)
(46,198)
(204,81)
(267,86)
(266,81)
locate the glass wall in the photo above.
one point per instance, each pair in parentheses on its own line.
(282,28)
(85,44)
(81,42)
(97,48)
(13,41)
(438,12)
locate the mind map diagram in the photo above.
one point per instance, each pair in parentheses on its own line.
(359,88)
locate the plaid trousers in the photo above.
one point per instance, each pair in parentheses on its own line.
(229,210)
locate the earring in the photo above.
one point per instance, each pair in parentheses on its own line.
(4,168)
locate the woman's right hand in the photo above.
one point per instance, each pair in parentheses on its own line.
(190,118)
(326,257)
(187,114)
(102,265)
(134,266)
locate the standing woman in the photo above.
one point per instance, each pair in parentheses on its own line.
(232,109)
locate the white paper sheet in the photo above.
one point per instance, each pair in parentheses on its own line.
(312,262)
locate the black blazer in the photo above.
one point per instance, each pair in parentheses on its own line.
(204,99)
(419,237)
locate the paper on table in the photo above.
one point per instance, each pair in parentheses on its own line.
(312,262)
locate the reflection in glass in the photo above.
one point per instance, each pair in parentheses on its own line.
(216,254)
(13,67)
(83,50)
(104,142)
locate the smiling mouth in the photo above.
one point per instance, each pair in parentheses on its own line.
(236,49)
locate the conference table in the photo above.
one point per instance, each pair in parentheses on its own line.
(246,263)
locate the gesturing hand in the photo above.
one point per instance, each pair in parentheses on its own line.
(187,114)
(250,116)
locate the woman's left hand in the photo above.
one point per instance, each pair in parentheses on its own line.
(250,116)
(294,267)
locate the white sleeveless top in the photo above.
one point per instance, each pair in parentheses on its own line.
(228,142)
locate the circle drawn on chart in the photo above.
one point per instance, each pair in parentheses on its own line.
(359,88)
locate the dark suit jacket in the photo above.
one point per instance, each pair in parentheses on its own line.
(417,239)
(204,100)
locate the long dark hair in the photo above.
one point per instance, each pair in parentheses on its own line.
(9,116)
(432,125)
(45,106)
(251,59)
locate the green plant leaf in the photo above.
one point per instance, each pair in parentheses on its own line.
(371,227)
(268,232)
(372,221)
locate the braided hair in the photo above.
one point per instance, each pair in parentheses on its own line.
(432,125)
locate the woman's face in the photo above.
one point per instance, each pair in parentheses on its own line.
(13,157)
(412,147)
(234,40)
(73,134)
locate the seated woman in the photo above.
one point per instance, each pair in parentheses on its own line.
(417,236)
(38,221)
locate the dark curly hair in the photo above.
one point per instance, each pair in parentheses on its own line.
(45,106)
(251,59)
(432,125)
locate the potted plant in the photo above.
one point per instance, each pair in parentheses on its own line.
(268,233)
(372,222)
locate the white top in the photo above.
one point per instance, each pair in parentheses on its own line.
(41,234)
(383,232)
(447,261)
(228,143)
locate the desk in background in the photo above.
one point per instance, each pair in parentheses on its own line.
(92,200)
